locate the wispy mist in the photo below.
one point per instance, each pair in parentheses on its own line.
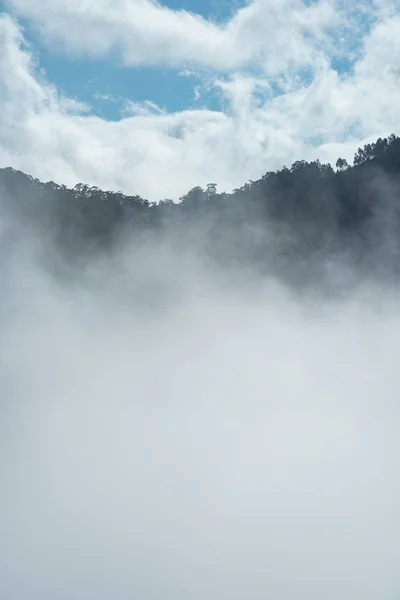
(171,429)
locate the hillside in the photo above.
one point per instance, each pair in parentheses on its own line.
(309,212)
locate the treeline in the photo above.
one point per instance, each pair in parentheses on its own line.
(303,211)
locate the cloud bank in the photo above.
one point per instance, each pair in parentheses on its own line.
(146,32)
(167,431)
(282,97)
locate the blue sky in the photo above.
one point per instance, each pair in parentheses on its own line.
(219,10)
(250,86)
(105,85)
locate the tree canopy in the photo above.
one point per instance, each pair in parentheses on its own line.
(325,210)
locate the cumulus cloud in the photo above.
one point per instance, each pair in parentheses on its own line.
(146,32)
(269,118)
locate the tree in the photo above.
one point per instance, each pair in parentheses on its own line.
(211,189)
(373,150)
(342,164)
(193,199)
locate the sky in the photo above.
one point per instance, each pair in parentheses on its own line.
(153,98)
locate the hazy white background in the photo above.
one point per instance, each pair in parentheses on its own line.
(221,442)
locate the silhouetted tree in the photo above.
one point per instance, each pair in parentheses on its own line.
(342,164)
(309,199)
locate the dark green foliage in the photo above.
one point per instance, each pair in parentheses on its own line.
(342,164)
(308,209)
(374,150)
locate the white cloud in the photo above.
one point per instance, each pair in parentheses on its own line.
(142,108)
(160,154)
(277,34)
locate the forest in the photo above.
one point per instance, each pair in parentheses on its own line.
(285,222)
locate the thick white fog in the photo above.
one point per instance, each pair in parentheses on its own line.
(167,432)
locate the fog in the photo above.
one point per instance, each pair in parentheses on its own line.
(169,430)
